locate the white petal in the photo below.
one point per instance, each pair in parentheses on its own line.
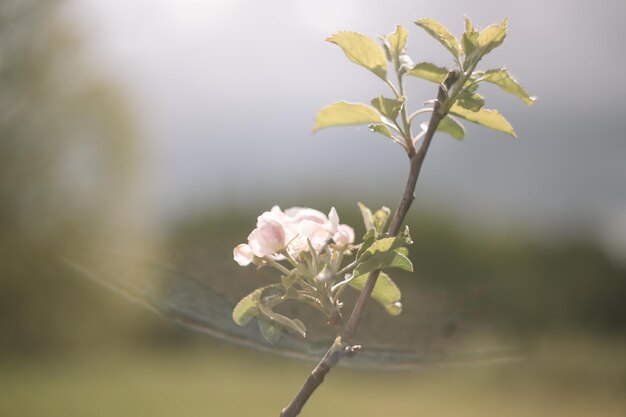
(267,239)
(344,235)
(299,214)
(334,219)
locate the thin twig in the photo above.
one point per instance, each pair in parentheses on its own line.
(417,159)
(338,349)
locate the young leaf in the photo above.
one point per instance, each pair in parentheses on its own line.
(403,251)
(386,292)
(247,307)
(362,50)
(491,37)
(271,331)
(368,240)
(452,127)
(388,107)
(384,260)
(366,213)
(381,128)
(380,219)
(341,113)
(396,44)
(506,82)
(469,40)
(429,72)
(488,118)
(284,321)
(300,325)
(471,101)
(442,34)
(469,27)
(387,244)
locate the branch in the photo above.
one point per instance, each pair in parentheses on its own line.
(315,379)
(416,159)
(339,347)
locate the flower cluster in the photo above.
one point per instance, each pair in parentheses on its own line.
(293,232)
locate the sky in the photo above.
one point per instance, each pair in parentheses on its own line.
(225,92)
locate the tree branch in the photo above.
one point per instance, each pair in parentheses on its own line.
(340,347)
(417,160)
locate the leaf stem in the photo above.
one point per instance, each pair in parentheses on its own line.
(347,268)
(393,88)
(418,112)
(278,265)
(405,122)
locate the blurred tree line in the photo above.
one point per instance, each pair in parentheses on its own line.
(530,287)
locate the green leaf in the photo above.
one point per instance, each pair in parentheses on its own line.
(469,40)
(403,251)
(452,127)
(429,72)
(300,325)
(442,34)
(341,113)
(396,44)
(488,118)
(384,260)
(506,82)
(471,101)
(368,240)
(386,292)
(387,244)
(388,107)
(247,307)
(271,331)
(380,219)
(381,128)
(293,325)
(492,37)
(368,220)
(362,50)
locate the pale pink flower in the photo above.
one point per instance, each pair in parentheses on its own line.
(291,230)
(243,254)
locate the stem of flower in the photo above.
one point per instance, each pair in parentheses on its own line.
(278,266)
(337,350)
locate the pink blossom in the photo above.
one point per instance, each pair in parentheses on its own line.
(268,238)
(291,230)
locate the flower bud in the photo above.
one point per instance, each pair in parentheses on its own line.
(243,254)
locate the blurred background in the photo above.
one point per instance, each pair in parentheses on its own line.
(160,129)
